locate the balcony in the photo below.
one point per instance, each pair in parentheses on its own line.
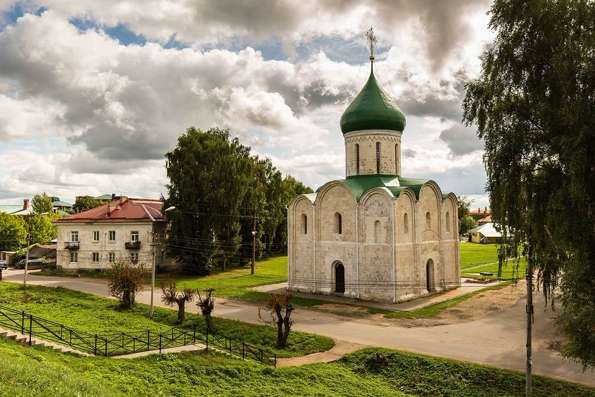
(72,245)
(132,245)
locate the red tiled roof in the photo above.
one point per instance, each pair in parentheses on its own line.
(121,209)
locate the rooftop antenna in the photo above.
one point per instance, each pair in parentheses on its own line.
(372,40)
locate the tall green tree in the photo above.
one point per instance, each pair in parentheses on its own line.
(42,203)
(209,174)
(534,106)
(41,228)
(13,233)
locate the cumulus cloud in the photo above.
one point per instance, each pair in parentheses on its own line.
(461,139)
(117,109)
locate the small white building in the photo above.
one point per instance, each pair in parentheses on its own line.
(485,234)
(374,235)
(126,229)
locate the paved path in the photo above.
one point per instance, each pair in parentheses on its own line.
(497,340)
(467,286)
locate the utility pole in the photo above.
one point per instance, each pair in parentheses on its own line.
(26,261)
(153,247)
(253,245)
(529,309)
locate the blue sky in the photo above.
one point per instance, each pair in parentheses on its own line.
(92,95)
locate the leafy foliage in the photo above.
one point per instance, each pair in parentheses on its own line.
(466,221)
(13,233)
(220,193)
(40,227)
(535,109)
(42,203)
(83,203)
(126,280)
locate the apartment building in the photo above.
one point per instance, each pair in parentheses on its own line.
(126,229)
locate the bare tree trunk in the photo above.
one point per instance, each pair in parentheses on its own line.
(181,311)
(279,315)
(287,324)
(529,309)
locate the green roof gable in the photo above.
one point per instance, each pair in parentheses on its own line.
(360,184)
(372,109)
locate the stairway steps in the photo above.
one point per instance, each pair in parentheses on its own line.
(24,339)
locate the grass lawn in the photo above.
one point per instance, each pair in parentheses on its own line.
(38,371)
(93,314)
(477,258)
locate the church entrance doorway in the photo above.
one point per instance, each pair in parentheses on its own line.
(430,275)
(339,278)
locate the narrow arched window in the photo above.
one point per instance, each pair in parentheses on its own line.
(338,223)
(447,222)
(397,159)
(406,223)
(378,157)
(377,231)
(357,158)
(428,220)
(305,223)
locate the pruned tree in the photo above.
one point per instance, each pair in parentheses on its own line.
(280,309)
(171,295)
(206,304)
(126,280)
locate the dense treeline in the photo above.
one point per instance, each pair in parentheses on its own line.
(218,195)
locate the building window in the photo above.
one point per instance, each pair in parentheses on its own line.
(111,257)
(378,157)
(428,220)
(396,159)
(338,223)
(357,158)
(377,231)
(112,235)
(447,222)
(305,223)
(134,257)
(95,257)
(74,257)
(134,236)
(406,223)
(74,235)
(96,235)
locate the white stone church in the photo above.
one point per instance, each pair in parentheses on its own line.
(374,235)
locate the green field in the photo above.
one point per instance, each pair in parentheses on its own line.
(477,258)
(36,371)
(93,314)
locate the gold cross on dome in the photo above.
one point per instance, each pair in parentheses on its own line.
(372,40)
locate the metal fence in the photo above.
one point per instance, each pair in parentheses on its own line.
(120,343)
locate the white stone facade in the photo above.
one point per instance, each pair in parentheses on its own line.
(371,241)
(95,250)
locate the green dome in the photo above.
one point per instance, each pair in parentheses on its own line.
(372,109)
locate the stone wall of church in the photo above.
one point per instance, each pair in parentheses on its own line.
(390,152)
(428,223)
(301,242)
(336,243)
(382,243)
(449,244)
(376,269)
(405,257)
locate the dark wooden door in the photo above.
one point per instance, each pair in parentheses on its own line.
(339,278)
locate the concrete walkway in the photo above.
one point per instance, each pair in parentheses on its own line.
(467,287)
(497,340)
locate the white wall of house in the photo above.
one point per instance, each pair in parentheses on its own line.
(96,254)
